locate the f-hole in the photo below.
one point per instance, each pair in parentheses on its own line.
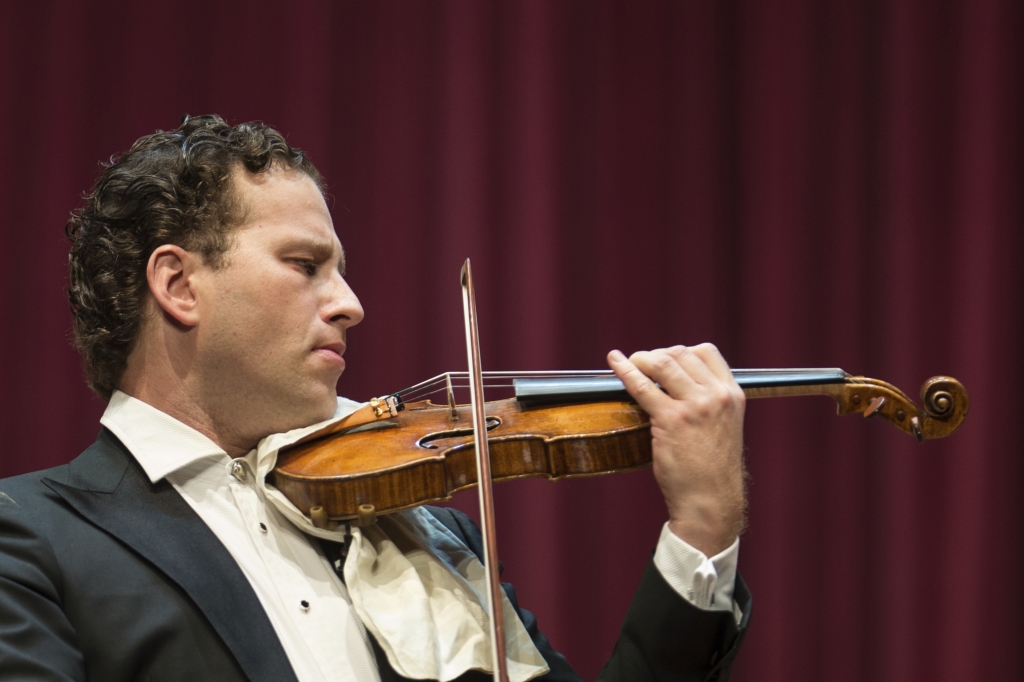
(428,440)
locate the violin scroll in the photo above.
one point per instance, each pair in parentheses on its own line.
(944,401)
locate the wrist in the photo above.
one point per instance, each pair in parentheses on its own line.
(709,543)
(710,528)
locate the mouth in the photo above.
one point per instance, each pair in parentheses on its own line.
(332,352)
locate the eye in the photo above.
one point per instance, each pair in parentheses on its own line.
(308,266)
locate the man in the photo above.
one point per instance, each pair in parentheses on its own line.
(211,310)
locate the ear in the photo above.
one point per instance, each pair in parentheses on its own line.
(170,274)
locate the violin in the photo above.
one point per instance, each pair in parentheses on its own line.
(404,450)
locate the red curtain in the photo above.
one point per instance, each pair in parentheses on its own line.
(803,183)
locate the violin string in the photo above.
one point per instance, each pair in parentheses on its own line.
(461,378)
(442,387)
(493,379)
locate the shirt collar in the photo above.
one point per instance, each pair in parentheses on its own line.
(159,442)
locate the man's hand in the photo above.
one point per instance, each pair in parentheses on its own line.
(697,432)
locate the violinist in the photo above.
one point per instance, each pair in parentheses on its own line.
(210,306)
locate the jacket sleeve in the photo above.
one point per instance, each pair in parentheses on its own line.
(664,638)
(37,642)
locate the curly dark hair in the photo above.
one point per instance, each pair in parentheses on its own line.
(169,188)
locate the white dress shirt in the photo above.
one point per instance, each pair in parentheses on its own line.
(306,602)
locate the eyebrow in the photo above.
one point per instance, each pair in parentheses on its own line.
(322,249)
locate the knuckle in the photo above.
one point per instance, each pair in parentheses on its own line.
(704,406)
(643,388)
(714,402)
(680,415)
(640,358)
(676,413)
(630,376)
(662,360)
(677,352)
(706,350)
(722,397)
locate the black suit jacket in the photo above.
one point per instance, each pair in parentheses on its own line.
(105,576)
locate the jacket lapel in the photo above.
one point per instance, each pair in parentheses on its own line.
(106,486)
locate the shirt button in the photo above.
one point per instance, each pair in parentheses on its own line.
(263,527)
(304,605)
(238,470)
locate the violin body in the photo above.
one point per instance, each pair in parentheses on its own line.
(423,455)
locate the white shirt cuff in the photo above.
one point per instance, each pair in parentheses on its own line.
(706,583)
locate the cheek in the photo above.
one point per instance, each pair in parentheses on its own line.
(262,294)
(261,314)
(276,319)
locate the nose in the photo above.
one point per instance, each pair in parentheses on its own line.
(341,306)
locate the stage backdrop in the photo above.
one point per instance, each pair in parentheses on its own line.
(803,183)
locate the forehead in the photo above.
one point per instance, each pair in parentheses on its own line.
(283,206)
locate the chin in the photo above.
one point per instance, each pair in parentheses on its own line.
(301,418)
(330,407)
(326,405)
(305,405)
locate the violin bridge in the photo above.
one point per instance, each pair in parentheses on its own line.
(453,410)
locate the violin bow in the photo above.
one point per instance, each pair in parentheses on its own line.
(483,465)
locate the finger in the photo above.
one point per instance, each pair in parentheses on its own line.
(694,365)
(645,392)
(663,367)
(715,362)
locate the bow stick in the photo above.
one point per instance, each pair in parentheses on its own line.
(483,465)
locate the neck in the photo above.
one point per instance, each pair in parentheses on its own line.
(185,408)
(172,388)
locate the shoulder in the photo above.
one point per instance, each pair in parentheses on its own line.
(30,514)
(29,490)
(32,499)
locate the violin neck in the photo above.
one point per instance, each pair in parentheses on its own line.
(548,390)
